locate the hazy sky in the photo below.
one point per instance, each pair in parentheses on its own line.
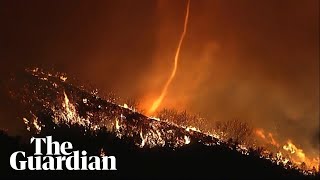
(253,60)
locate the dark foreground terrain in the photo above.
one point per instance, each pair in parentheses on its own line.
(193,161)
(145,148)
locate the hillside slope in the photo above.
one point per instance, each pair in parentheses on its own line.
(145,147)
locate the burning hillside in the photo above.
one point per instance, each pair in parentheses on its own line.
(53,104)
(187,89)
(66,104)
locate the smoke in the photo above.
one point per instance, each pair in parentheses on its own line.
(248,60)
(256,61)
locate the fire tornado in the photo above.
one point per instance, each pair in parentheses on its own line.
(159,100)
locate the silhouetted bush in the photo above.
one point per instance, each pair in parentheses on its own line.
(236,130)
(181,118)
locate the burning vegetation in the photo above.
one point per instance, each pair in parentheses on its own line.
(53,102)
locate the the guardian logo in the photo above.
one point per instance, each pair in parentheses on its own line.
(59,157)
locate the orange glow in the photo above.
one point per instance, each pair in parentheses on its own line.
(268,139)
(259,132)
(159,100)
(273,141)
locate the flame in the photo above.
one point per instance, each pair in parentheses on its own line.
(35,124)
(268,139)
(260,133)
(117,126)
(296,155)
(192,129)
(26,122)
(68,107)
(299,157)
(63,78)
(272,140)
(142,139)
(290,147)
(158,101)
(187,140)
(68,113)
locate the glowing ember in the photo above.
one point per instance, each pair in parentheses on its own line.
(187,140)
(36,125)
(26,122)
(117,124)
(192,128)
(63,78)
(102,152)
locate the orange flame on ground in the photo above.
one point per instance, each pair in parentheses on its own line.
(158,101)
(297,156)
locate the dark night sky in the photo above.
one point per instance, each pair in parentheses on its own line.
(247,59)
